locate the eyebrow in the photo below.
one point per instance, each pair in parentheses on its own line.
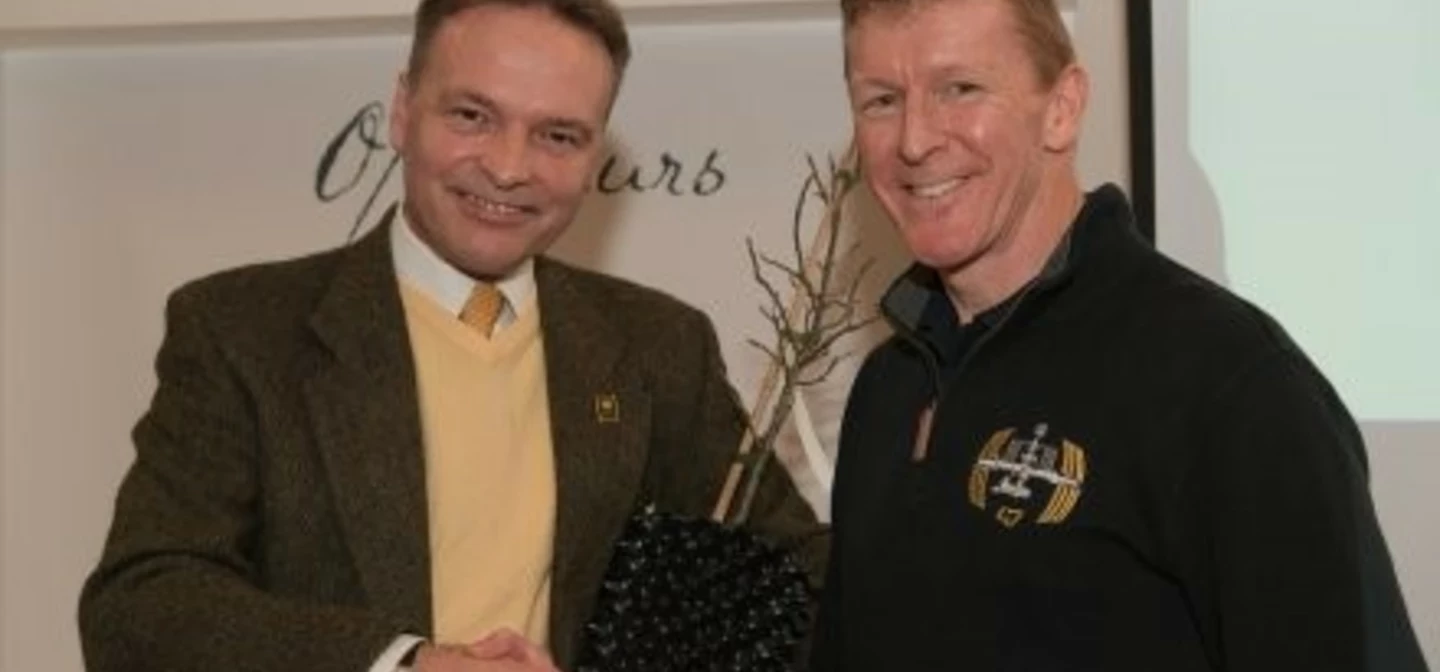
(472,97)
(576,125)
(941,72)
(873,82)
(482,100)
(955,70)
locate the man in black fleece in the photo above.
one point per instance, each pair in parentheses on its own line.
(1074,454)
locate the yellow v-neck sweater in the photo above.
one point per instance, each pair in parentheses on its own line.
(489,471)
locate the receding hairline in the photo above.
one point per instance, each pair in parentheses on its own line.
(598,19)
(1038,23)
(616,51)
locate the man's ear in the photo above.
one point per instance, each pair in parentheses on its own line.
(400,112)
(1065,113)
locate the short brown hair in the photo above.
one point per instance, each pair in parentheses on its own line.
(1038,22)
(598,18)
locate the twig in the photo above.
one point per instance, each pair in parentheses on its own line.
(805,329)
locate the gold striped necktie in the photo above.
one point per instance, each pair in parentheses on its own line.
(482,309)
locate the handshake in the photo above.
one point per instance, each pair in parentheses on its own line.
(503,650)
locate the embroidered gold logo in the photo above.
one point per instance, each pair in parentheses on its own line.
(1013,474)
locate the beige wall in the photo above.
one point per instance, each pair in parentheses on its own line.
(70,15)
(1100,41)
(4,370)
(1099,37)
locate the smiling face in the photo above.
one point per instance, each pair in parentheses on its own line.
(500,134)
(958,137)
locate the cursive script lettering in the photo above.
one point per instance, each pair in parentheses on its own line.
(361,133)
(706,181)
(339,173)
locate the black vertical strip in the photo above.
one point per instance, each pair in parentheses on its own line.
(1139,36)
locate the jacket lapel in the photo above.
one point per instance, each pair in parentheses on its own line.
(367,425)
(600,424)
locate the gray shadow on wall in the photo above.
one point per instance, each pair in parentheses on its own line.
(1191,221)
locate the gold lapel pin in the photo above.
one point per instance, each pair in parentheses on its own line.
(607,408)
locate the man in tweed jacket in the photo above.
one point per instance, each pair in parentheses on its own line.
(275,517)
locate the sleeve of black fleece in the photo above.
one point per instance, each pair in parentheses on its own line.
(1280,551)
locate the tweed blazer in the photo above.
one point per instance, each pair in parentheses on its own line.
(275,516)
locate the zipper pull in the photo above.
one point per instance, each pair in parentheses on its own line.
(922,433)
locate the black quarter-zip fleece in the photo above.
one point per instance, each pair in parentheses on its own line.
(1128,468)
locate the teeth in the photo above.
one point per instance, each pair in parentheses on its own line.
(493,206)
(935,190)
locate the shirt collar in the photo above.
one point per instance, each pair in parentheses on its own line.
(419,266)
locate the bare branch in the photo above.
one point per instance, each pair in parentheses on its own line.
(821,310)
(774,357)
(819,183)
(830,339)
(779,266)
(775,299)
(797,221)
(816,380)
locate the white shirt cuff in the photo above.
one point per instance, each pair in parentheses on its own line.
(389,661)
